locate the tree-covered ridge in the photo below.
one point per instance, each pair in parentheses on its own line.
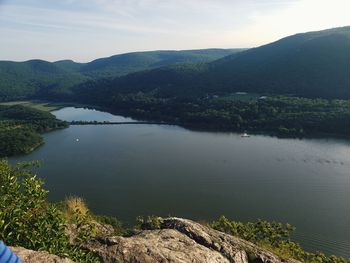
(38,78)
(315,64)
(123,64)
(182,80)
(20,128)
(22,80)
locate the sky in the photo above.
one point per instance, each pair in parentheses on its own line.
(84,30)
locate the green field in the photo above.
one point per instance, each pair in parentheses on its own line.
(39,105)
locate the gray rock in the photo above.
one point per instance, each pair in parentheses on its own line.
(153,246)
(102,230)
(31,256)
(180,241)
(229,246)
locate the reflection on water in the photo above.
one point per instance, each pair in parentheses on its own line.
(131,170)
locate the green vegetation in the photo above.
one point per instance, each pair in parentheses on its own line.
(39,105)
(27,219)
(314,65)
(280,116)
(274,237)
(24,80)
(20,128)
(123,64)
(148,222)
(181,86)
(54,81)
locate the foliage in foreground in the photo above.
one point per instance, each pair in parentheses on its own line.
(28,220)
(148,222)
(273,236)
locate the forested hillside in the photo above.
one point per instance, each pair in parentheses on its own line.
(123,64)
(43,79)
(315,64)
(21,80)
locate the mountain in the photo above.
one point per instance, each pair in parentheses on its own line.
(69,65)
(123,64)
(20,80)
(314,64)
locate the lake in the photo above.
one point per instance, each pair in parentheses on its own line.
(131,170)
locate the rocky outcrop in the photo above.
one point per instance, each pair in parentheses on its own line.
(177,241)
(101,230)
(153,246)
(180,241)
(31,256)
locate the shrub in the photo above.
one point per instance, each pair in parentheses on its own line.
(272,236)
(75,205)
(149,222)
(28,220)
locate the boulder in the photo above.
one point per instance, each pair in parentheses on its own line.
(154,246)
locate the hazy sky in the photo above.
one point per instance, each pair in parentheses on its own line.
(83,30)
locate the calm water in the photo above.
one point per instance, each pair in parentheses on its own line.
(130,170)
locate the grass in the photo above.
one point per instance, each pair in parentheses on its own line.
(75,211)
(74,205)
(39,105)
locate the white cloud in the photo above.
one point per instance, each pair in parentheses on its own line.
(86,29)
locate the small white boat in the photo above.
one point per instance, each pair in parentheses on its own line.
(245,135)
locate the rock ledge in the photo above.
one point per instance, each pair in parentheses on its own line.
(180,241)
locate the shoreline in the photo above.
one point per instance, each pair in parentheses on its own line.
(193,127)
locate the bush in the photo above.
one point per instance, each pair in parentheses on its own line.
(272,236)
(149,222)
(28,220)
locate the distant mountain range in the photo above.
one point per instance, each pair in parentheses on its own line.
(24,79)
(314,64)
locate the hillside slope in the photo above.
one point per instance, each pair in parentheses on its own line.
(314,64)
(21,80)
(123,64)
(38,78)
